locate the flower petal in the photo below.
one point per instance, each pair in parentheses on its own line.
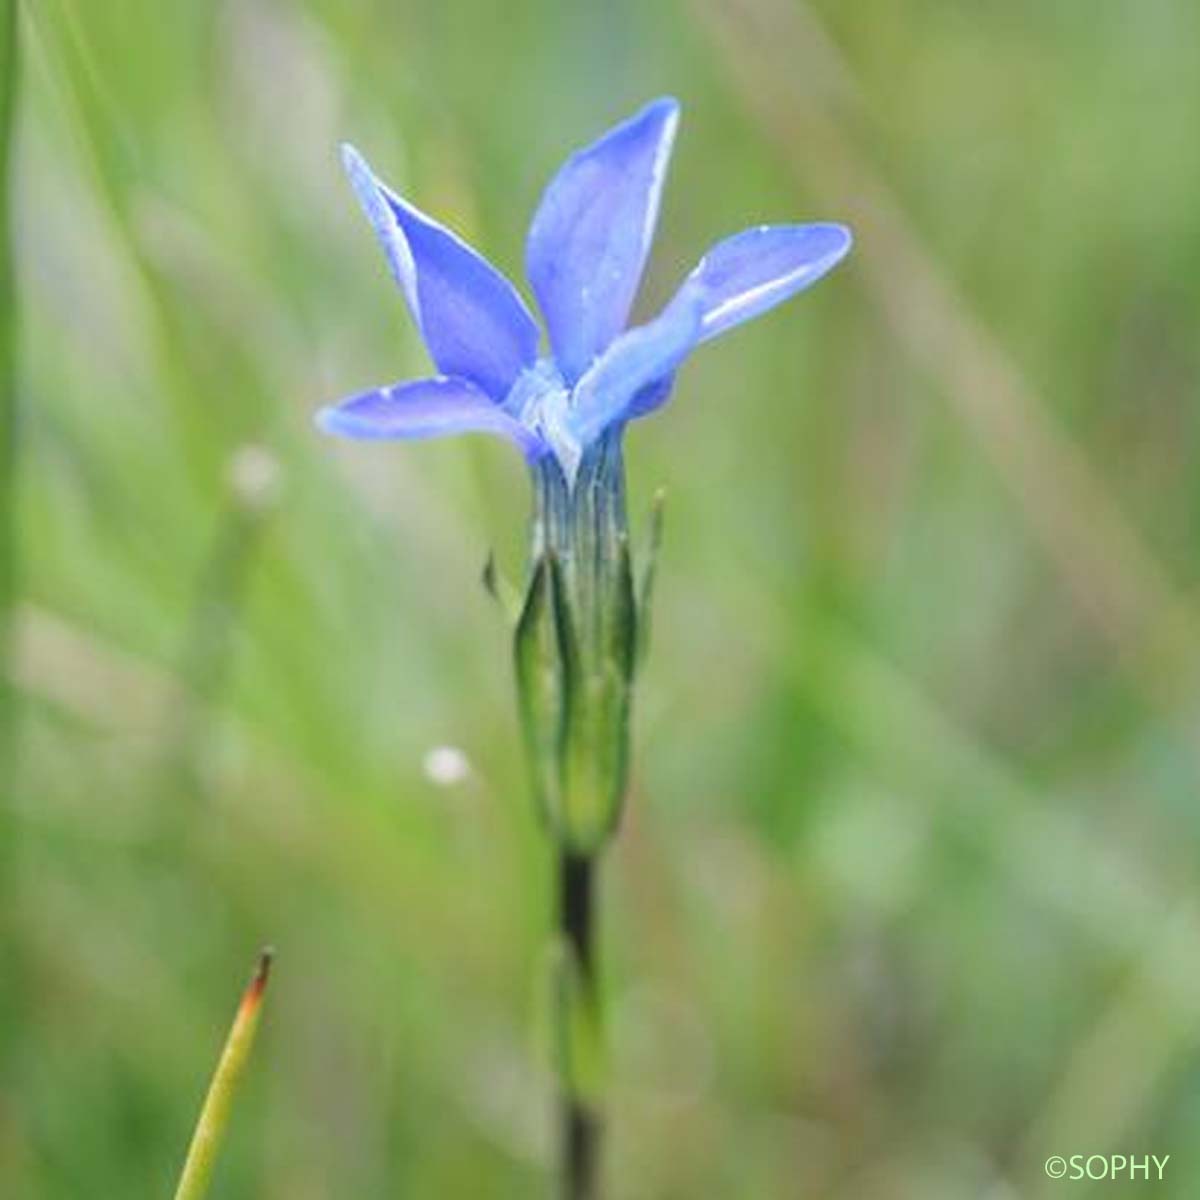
(653,395)
(472,319)
(636,368)
(592,231)
(425,408)
(754,270)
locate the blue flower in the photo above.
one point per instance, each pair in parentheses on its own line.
(585,254)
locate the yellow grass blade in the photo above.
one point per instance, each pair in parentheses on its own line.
(214,1116)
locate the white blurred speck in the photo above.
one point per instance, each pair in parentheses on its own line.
(446,766)
(255,476)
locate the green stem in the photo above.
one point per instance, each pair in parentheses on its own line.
(580,1118)
(9,64)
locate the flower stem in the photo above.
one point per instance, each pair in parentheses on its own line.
(579,1115)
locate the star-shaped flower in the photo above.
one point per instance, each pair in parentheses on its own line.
(585,254)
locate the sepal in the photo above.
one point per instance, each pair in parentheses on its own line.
(501,589)
(575,658)
(645,593)
(540,692)
(598,678)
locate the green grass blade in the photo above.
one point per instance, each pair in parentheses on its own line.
(214,1116)
(9,66)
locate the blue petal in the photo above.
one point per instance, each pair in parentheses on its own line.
(425,408)
(653,395)
(753,271)
(637,367)
(592,231)
(472,319)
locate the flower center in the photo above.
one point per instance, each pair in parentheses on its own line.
(541,401)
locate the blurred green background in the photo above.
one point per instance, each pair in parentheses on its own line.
(907,898)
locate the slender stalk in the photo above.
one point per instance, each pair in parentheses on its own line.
(9,63)
(214,1116)
(14,970)
(580,1122)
